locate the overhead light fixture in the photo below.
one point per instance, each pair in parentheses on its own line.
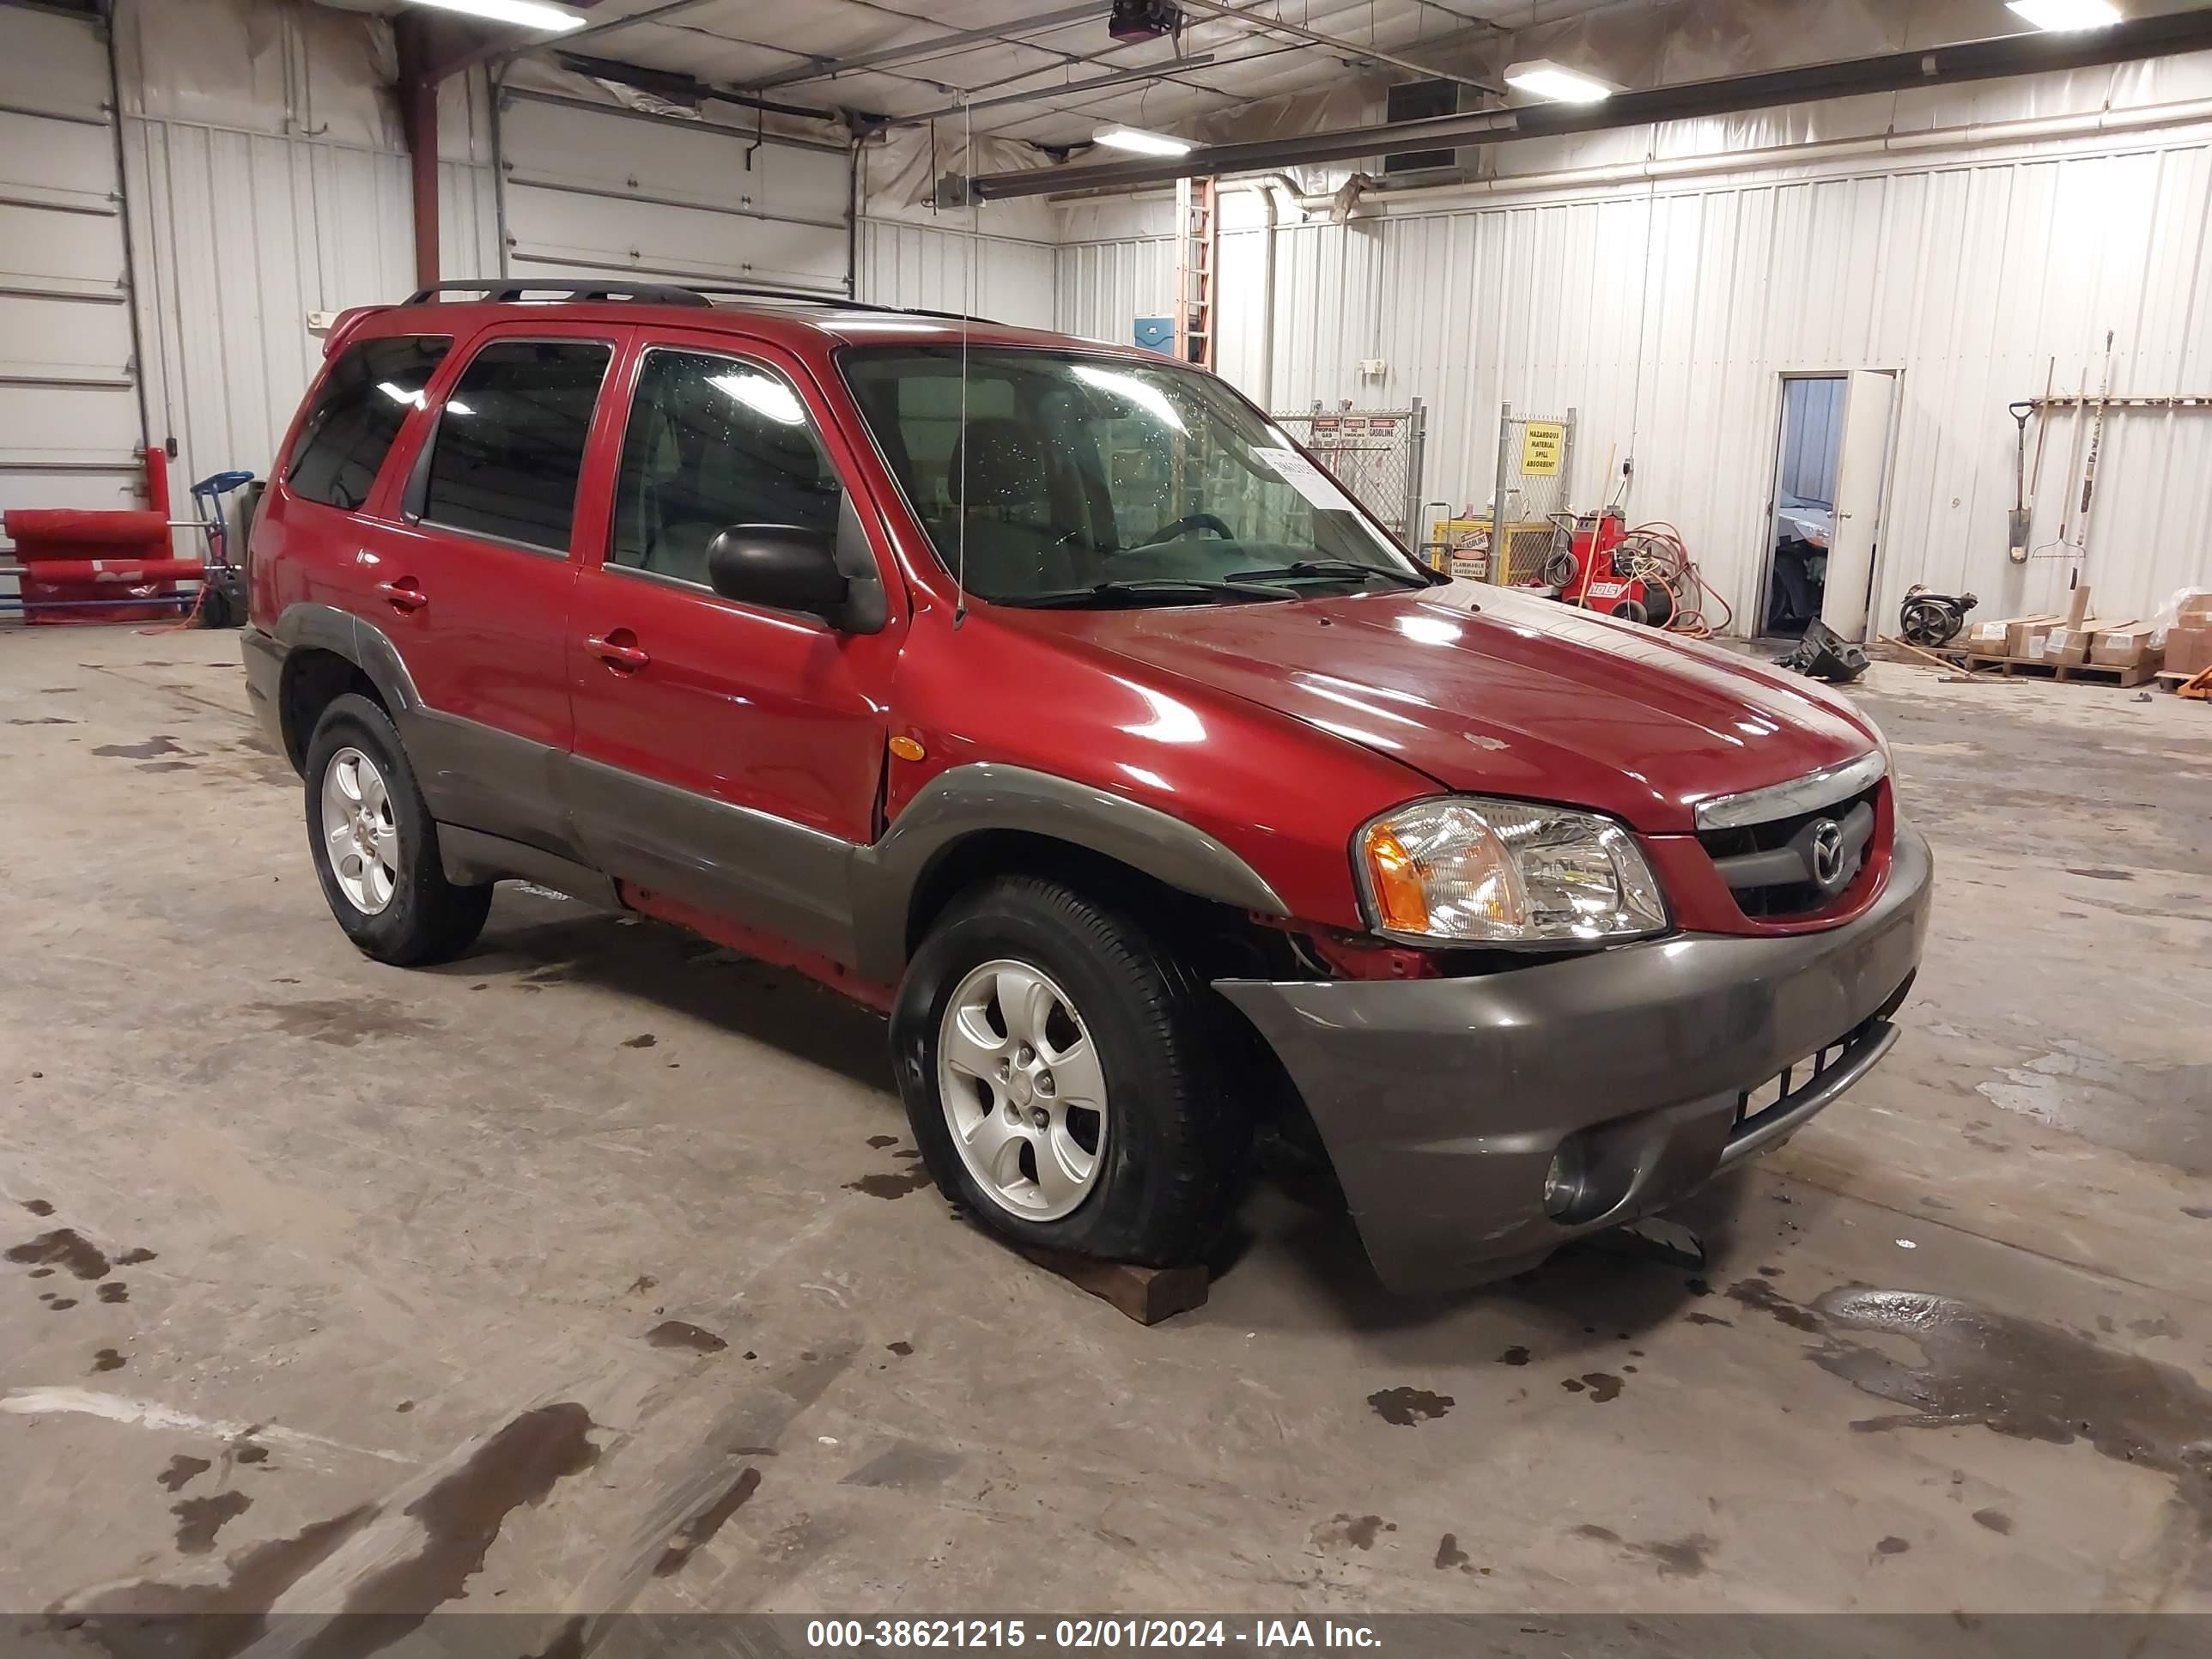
(1145,143)
(2063,16)
(1539,77)
(523,14)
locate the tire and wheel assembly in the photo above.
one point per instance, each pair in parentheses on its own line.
(1060,1072)
(375,845)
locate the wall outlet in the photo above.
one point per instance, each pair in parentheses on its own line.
(1373,368)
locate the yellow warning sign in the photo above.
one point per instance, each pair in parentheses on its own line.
(1543,444)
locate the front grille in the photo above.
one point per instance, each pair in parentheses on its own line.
(1764,889)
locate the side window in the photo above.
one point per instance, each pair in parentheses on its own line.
(510,443)
(356,415)
(713,442)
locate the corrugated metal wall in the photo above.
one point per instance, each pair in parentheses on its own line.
(1668,316)
(913,265)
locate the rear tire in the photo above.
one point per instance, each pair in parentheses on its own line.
(375,845)
(1062,1074)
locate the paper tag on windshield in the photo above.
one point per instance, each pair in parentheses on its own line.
(1309,480)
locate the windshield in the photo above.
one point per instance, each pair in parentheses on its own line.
(1093,481)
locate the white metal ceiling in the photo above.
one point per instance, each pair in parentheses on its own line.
(742,42)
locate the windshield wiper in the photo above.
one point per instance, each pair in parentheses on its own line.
(1328,569)
(1167,589)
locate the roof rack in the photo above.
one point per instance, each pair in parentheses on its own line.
(516,290)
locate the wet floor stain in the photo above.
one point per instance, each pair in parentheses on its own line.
(1360,1532)
(133,1256)
(881,1141)
(902,1349)
(63,1248)
(1995,1520)
(343,1023)
(1515,1355)
(250,1453)
(2155,1112)
(1603,1387)
(907,1465)
(1759,1294)
(148,749)
(198,1519)
(1404,1406)
(2197,1211)
(234,1612)
(569,1641)
(895,1183)
(1891,1545)
(679,1333)
(642,1283)
(1687,1557)
(106,1359)
(113,1292)
(2102,875)
(38,1206)
(461,1516)
(1449,1554)
(181,1471)
(47,720)
(2019,1378)
(167,766)
(642,1039)
(58,1303)
(1710,1319)
(702,1526)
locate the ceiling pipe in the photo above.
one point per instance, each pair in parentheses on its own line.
(1975,60)
(1119,78)
(1252,18)
(822,68)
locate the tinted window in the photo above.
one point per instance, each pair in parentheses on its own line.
(356,415)
(713,442)
(510,443)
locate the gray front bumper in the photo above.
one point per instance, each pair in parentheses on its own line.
(1442,1100)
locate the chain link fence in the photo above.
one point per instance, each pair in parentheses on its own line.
(1375,455)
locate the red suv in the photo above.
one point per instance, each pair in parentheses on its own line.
(1047,696)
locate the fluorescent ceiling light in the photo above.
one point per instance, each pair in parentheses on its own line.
(523,14)
(1540,77)
(1145,143)
(2061,16)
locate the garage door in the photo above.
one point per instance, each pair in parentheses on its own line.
(589,189)
(69,419)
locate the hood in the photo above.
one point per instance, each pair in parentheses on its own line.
(1486,690)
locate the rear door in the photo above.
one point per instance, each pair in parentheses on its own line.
(472,578)
(726,754)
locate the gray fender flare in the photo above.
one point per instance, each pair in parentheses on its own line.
(985,796)
(368,647)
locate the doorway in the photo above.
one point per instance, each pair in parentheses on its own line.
(1831,470)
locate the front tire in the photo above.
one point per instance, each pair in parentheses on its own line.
(1061,1077)
(375,845)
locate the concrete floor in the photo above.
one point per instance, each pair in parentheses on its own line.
(329,1284)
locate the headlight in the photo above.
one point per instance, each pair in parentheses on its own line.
(1468,870)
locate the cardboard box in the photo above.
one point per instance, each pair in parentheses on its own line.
(1987,639)
(2071,644)
(2189,649)
(2025,637)
(2197,610)
(2126,646)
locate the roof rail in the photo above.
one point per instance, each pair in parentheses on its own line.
(817,297)
(513,290)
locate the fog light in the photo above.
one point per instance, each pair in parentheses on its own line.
(1566,1184)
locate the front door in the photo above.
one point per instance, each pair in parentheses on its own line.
(472,580)
(726,755)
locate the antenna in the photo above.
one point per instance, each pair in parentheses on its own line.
(967,307)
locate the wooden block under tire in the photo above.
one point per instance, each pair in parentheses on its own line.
(1147,1295)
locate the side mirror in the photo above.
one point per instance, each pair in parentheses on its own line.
(782,566)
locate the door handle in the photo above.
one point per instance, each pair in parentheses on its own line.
(404,593)
(627,658)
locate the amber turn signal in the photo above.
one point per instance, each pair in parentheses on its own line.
(906,748)
(1400,893)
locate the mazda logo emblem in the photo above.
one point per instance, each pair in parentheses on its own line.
(1827,853)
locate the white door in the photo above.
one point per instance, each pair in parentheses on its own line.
(1862,477)
(70,421)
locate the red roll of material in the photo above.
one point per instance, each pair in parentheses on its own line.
(43,532)
(111,572)
(74,555)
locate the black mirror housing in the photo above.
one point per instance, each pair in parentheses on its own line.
(784,567)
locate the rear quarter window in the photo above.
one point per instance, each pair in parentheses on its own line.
(357,413)
(509,448)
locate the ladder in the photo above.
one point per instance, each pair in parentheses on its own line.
(1198,245)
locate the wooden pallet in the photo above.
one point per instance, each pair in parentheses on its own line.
(2197,687)
(2134,674)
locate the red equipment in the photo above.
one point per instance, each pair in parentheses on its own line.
(81,565)
(1587,577)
